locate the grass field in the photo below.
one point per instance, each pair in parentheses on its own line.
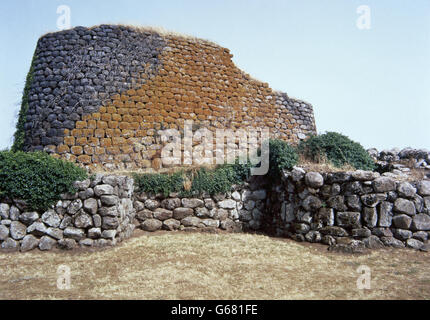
(214,266)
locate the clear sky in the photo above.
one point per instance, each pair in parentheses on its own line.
(372,85)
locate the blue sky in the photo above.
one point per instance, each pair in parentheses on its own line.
(372,85)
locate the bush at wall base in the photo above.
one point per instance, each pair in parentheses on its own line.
(338,149)
(37,178)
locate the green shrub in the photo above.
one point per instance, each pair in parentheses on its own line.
(212,181)
(281,156)
(338,149)
(19,135)
(37,178)
(159,182)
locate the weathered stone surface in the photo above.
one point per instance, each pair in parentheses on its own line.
(5,222)
(313,236)
(314,180)
(311,203)
(67,221)
(162,214)
(110,223)
(14,213)
(420,235)
(402,234)
(209,204)
(82,185)
(337,202)
(210,223)
(382,232)
(373,242)
(404,206)
(392,242)
(74,206)
(28,217)
(424,188)
(151,204)
(402,221)
(370,217)
(385,214)
(109,211)
(227,204)
(10,244)
(47,243)
(151,225)
(103,189)
(17,230)
(229,226)
(193,203)
(372,200)
(88,193)
(51,218)
(414,244)
(361,233)
(301,228)
(109,234)
(55,233)
(94,233)
(67,244)
(297,174)
(338,177)
(111,180)
(181,213)
(83,220)
(384,184)
(91,206)
(190,222)
(334,231)
(109,200)
(421,222)
(236,196)
(4,210)
(348,219)
(86,242)
(29,243)
(171,224)
(74,233)
(144,214)
(354,202)
(325,216)
(171,203)
(202,212)
(4,232)
(97,221)
(362,175)
(405,189)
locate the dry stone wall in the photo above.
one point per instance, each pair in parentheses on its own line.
(100,214)
(99,95)
(350,211)
(241,209)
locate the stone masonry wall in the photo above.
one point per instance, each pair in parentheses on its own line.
(99,95)
(100,214)
(350,210)
(239,210)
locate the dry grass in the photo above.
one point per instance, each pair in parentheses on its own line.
(323,165)
(214,266)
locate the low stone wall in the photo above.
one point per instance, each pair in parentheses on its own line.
(100,214)
(350,210)
(239,210)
